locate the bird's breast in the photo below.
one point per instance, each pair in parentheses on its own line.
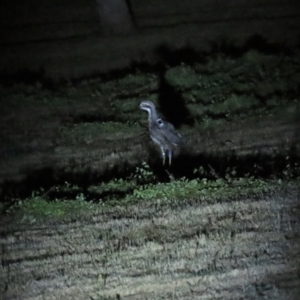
(155,140)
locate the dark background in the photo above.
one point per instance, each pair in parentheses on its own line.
(77,38)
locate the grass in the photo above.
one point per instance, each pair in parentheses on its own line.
(89,126)
(88,132)
(233,105)
(182,77)
(217,87)
(141,187)
(260,74)
(133,235)
(211,245)
(38,208)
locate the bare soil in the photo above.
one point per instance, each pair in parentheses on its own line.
(229,249)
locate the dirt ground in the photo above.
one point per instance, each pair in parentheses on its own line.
(229,249)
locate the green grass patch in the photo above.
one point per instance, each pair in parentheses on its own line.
(39,208)
(140,187)
(211,190)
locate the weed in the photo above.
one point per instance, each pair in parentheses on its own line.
(114,189)
(143,174)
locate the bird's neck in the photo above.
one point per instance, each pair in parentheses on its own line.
(152,115)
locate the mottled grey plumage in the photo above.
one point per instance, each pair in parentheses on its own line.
(161,132)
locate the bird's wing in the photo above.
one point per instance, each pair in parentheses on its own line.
(172,134)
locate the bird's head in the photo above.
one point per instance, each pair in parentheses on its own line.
(147,106)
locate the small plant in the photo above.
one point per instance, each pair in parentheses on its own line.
(143,174)
(113,189)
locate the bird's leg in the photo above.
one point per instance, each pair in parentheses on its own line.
(170,156)
(163,154)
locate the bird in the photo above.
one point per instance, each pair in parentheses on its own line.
(162,132)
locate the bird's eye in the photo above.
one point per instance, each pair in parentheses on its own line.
(160,122)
